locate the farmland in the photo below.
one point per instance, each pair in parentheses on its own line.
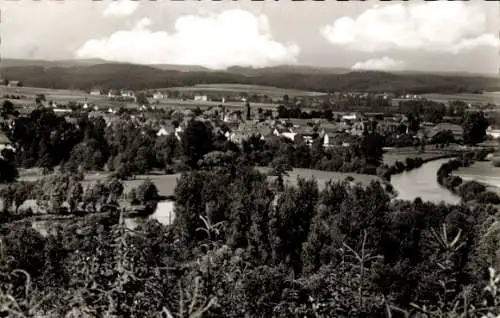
(485,98)
(64,96)
(400,154)
(273,92)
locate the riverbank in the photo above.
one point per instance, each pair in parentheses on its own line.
(471,190)
(421,183)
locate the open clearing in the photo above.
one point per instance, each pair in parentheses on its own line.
(249,89)
(485,98)
(483,172)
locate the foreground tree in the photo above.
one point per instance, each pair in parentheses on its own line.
(196,141)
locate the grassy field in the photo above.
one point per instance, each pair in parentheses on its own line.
(483,172)
(400,154)
(64,96)
(487,97)
(270,91)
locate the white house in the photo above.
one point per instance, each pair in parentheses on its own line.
(495,133)
(95,92)
(350,117)
(62,110)
(200,98)
(162,132)
(159,96)
(128,94)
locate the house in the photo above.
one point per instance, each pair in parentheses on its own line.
(162,132)
(159,96)
(493,132)
(457,131)
(95,92)
(127,94)
(200,98)
(358,129)
(350,117)
(13,84)
(113,93)
(62,110)
(5,142)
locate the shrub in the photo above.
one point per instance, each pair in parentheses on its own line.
(488,197)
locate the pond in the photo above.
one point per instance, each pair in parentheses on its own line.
(164,214)
(422,182)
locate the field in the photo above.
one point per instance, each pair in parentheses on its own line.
(193,104)
(400,154)
(64,96)
(487,97)
(483,172)
(249,89)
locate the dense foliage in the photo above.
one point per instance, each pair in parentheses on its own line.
(238,248)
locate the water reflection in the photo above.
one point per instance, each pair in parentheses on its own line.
(421,182)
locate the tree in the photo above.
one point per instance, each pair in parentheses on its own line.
(474,125)
(196,141)
(372,146)
(7,109)
(40,98)
(280,168)
(141,98)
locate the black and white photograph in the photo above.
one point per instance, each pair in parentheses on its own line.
(249,159)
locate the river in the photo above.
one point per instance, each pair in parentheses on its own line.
(421,182)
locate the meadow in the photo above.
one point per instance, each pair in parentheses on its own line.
(485,98)
(400,154)
(483,172)
(274,92)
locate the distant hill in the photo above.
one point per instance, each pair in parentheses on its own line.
(286,69)
(85,74)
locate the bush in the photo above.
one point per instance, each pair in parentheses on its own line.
(469,190)
(488,197)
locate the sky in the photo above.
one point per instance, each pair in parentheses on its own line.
(373,35)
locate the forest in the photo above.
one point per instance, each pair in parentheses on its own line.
(242,247)
(138,77)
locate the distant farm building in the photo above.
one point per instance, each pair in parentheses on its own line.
(13,83)
(456,130)
(200,98)
(159,96)
(127,94)
(95,92)
(495,133)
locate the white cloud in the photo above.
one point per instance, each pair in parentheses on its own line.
(233,37)
(382,64)
(121,8)
(439,26)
